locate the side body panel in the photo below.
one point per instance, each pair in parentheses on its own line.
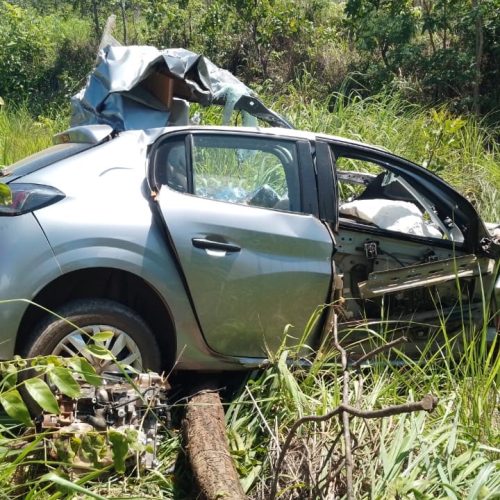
(27,263)
(106,221)
(245,299)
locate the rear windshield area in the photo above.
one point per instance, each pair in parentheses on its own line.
(43,158)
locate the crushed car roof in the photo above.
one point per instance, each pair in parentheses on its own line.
(135,87)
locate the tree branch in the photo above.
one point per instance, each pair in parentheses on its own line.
(378,350)
(428,403)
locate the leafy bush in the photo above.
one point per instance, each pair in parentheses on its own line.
(445,48)
(41,57)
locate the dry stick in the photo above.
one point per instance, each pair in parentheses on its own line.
(378,350)
(427,403)
(349,462)
(349,465)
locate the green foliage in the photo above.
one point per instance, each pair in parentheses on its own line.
(5,194)
(41,57)
(69,486)
(63,379)
(41,393)
(384,28)
(120,447)
(86,370)
(68,450)
(444,48)
(435,51)
(21,135)
(14,406)
(26,47)
(260,40)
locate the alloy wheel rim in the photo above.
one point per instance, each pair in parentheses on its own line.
(120,345)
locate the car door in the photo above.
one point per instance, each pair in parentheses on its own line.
(241,209)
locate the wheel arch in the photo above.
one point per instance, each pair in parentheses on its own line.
(105,283)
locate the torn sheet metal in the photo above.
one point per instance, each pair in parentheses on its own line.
(424,275)
(133,88)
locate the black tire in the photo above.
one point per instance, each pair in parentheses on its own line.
(83,313)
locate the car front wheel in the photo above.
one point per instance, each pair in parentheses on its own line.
(132,343)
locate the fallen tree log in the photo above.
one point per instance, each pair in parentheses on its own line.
(207,448)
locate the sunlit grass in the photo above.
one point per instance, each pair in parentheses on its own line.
(460,149)
(453,451)
(22,135)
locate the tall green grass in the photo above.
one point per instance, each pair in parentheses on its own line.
(463,151)
(21,134)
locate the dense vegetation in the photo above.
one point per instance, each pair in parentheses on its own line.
(417,77)
(433,52)
(452,452)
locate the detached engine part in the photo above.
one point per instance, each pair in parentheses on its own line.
(83,425)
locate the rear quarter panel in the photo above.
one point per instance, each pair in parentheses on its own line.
(27,263)
(106,221)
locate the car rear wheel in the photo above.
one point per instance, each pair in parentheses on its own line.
(132,344)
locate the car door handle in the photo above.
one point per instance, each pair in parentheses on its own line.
(214,245)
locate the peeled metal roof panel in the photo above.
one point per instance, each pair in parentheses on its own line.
(118,91)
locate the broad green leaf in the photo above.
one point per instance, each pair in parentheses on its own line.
(14,406)
(63,379)
(5,194)
(102,336)
(42,394)
(99,351)
(119,446)
(93,447)
(86,370)
(51,477)
(9,376)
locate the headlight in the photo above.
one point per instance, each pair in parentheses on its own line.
(27,198)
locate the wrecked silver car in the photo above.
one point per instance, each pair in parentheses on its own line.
(199,245)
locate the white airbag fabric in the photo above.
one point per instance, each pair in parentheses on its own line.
(400,216)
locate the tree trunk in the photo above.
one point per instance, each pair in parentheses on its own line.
(207,448)
(124,22)
(479,56)
(95,17)
(428,12)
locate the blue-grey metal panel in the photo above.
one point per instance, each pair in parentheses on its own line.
(105,221)
(245,299)
(26,265)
